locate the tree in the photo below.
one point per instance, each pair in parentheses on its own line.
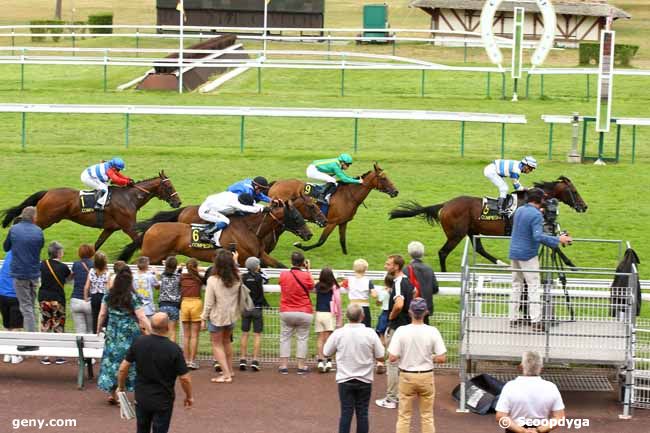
(57,10)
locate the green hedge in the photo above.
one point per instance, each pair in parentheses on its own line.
(103,19)
(56,30)
(39,30)
(623,54)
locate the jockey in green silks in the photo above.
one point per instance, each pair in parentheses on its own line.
(329,170)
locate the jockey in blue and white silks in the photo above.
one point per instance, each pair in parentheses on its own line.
(99,175)
(500,168)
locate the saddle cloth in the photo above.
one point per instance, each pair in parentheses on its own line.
(315,190)
(88,199)
(200,240)
(490,208)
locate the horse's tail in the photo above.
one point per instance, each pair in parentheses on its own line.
(128,251)
(413,208)
(11,213)
(170,216)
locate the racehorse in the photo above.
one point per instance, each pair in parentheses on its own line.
(58,204)
(248,232)
(190,215)
(459,217)
(344,202)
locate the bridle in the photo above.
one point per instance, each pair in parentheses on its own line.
(162,182)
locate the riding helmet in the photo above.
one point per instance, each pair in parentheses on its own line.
(529,161)
(246,199)
(117,163)
(261,182)
(345,158)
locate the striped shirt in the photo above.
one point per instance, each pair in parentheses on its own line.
(509,168)
(98,171)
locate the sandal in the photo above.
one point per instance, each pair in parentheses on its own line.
(111,400)
(221,379)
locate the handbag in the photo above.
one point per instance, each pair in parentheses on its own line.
(245,300)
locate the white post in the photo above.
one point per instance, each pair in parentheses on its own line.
(180,53)
(266,17)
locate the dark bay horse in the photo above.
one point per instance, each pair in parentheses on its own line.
(190,215)
(344,203)
(58,204)
(459,217)
(248,232)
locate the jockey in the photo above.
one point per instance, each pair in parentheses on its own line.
(255,187)
(328,170)
(97,177)
(216,207)
(500,168)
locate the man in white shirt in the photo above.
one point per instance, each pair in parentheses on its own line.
(416,346)
(528,403)
(357,347)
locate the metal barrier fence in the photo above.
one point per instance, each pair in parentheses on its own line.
(641,373)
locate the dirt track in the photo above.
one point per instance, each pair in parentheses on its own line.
(256,403)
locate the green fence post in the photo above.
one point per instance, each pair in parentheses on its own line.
(527,84)
(105,70)
(13,40)
(23,141)
(633,141)
(126,130)
(73,44)
(394,45)
(329,45)
(488,84)
(22,71)
(422,83)
(618,141)
(550,141)
(241,135)
(503,85)
(342,81)
(588,86)
(462,138)
(541,85)
(356,134)
(601,144)
(584,136)
(259,79)
(503,140)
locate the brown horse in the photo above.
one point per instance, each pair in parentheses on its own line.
(248,232)
(190,215)
(58,204)
(344,202)
(459,217)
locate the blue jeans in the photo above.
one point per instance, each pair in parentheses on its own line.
(153,421)
(354,396)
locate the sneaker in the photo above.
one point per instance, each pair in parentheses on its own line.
(328,365)
(216,366)
(381,369)
(386,403)
(17,359)
(321,366)
(60,361)
(283,370)
(243,365)
(7,358)
(46,361)
(302,371)
(255,366)
(194,365)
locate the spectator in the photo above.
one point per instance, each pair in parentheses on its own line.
(191,309)
(12,320)
(125,314)
(170,294)
(254,279)
(421,276)
(527,234)
(221,310)
(25,240)
(158,362)
(97,285)
(416,346)
(529,399)
(51,295)
(144,281)
(360,288)
(356,347)
(82,313)
(295,311)
(398,306)
(383,299)
(328,313)
(117,267)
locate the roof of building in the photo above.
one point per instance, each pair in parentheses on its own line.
(582,8)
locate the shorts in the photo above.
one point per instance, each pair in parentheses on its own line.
(256,316)
(191,309)
(382,322)
(213,328)
(173,312)
(10,311)
(324,322)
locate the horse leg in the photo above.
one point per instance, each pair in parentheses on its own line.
(478,245)
(269,261)
(102,237)
(342,229)
(447,248)
(323,237)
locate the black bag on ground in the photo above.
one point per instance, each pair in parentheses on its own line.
(481,392)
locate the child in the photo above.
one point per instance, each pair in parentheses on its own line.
(383,298)
(254,279)
(97,285)
(360,288)
(328,313)
(170,294)
(191,309)
(144,282)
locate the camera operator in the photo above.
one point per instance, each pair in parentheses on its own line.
(527,234)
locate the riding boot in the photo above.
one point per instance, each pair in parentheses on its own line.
(101,200)
(328,190)
(501,206)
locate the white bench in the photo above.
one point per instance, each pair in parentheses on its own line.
(84,347)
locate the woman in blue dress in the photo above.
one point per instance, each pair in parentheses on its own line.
(126,321)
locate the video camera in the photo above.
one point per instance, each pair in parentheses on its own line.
(551,210)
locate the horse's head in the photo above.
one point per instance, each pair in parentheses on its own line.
(167,192)
(310,210)
(292,220)
(378,180)
(564,190)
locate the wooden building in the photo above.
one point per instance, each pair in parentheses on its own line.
(577,20)
(244,13)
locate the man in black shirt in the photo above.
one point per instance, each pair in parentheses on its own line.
(158,362)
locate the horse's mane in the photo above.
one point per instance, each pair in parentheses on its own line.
(366,174)
(551,184)
(148,179)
